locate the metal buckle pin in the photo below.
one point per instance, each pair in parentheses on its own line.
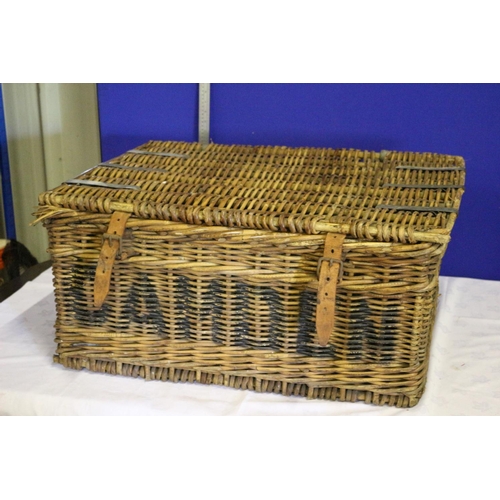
(110,237)
(330,264)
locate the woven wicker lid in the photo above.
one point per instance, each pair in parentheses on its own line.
(387,196)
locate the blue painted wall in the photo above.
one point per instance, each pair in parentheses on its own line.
(132,114)
(444,118)
(8,204)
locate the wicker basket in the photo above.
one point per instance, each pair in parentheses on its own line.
(298,271)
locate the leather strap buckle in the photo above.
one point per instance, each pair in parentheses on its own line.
(330,270)
(111,249)
(330,264)
(113,237)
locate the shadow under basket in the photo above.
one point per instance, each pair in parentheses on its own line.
(297,271)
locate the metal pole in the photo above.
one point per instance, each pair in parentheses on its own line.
(204,113)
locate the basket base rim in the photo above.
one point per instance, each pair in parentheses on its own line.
(251,383)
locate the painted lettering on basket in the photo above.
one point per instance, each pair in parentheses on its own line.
(362,334)
(229,321)
(142,309)
(361,330)
(139,310)
(234,318)
(371,332)
(237,314)
(80,291)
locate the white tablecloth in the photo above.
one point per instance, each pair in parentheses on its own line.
(463,378)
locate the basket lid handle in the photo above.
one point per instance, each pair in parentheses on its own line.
(329,271)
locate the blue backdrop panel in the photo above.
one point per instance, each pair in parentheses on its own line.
(452,119)
(132,114)
(8,204)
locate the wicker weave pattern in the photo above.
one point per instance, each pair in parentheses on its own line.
(280,189)
(218,276)
(243,302)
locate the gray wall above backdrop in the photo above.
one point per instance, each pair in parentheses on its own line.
(455,119)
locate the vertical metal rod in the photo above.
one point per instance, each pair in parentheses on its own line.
(204,113)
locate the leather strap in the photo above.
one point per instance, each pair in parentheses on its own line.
(111,245)
(329,268)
